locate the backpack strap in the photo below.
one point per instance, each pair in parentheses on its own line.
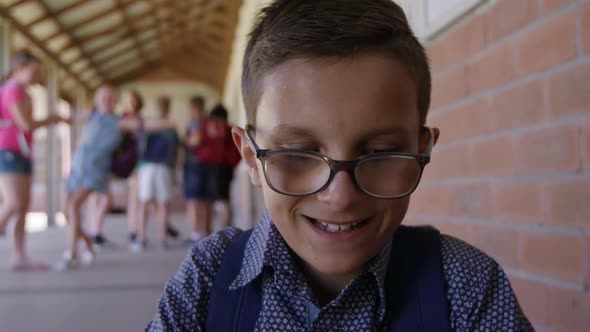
(416,291)
(233,310)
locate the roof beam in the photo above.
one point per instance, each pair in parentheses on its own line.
(40,45)
(89,20)
(57,12)
(99,49)
(60,27)
(130,28)
(135,73)
(122,51)
(105,32)
(16,4)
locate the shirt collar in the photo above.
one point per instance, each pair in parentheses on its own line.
(266,248)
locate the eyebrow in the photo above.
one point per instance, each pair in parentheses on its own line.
(284,132)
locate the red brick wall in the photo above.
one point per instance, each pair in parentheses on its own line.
(511,172)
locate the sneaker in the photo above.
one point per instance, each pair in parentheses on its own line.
(132,237)
(172,231)
(87,257)
(137,246)
(67,263)
(99,239)
(101,242)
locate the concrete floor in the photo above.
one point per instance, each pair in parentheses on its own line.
(119,292)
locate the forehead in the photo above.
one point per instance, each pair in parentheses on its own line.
(333,97)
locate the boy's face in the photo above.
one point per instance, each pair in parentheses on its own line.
(343,109)
(106,99)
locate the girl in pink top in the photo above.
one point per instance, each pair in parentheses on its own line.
(16,136)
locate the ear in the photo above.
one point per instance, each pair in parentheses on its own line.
(249,156)
(425,139)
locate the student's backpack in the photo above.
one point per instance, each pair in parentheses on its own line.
(125,156)
(416,293)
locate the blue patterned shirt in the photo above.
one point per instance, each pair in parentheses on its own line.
(478,292)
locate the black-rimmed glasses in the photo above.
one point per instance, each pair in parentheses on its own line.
(296,172)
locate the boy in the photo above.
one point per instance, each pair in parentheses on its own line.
(336,94)
(155,174)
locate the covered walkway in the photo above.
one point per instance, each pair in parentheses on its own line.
(119,292)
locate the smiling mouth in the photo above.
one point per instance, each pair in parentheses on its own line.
(337,228)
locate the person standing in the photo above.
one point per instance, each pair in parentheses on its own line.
(16,159)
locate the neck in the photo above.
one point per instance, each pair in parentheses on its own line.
(327,286)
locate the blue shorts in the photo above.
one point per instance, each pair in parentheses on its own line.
(14,162)
(199,181)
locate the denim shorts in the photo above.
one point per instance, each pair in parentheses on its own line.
(14,162)
(199,181)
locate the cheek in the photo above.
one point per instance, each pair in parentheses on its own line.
(394,212)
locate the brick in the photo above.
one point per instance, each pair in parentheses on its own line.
(569,92)
(569,310)
(472,201)
(570,202)
(509,16)
(586,147)
(432,200)
(519,106)
(494,157)
(518,202)
(500,243)
(548,6)
(493,68)
(546,150)
(533,297)
(587,254)
(449,162)
(464,121)
(551,43)
(449,86)
(585,26)
(457,44)
(552,255)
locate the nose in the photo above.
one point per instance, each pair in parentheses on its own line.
(341,192)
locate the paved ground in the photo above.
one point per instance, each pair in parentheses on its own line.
(119,292)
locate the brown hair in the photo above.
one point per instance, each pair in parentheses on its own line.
(163,103)
(197,102)
(138,100)
(287,29)
(20,60)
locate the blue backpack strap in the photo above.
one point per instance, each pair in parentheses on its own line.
(416,291)
(233,310)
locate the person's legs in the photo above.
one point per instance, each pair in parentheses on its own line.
(163,184)
(15,189)
(146,177)
(73,207)
(204,208)
(98,212)
(191,215)
(225,176)
(132,206)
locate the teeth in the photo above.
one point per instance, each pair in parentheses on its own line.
(334,228)
(345,227)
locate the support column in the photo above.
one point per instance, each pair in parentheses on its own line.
(5,47)
(52,193)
